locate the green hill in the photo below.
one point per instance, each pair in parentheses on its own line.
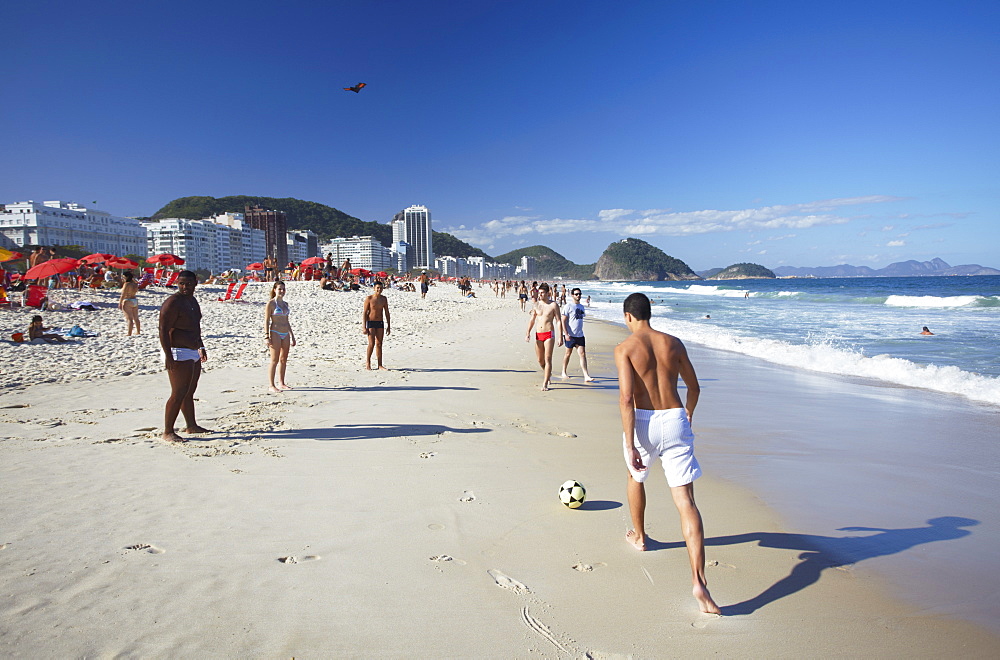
(326,221)
(548,263)
(743,272)
(633,259)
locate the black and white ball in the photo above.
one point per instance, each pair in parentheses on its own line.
(572,494)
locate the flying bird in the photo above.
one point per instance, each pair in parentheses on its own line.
(356,88)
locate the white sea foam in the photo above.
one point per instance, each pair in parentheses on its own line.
(827,355)
(931,301)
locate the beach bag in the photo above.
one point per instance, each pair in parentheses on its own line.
(77,331)
(18,337)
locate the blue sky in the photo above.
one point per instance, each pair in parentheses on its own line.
(780,133)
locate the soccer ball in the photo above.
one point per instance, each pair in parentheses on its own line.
(572,494)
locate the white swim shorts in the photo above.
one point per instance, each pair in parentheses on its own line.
(184,354)
(664,434)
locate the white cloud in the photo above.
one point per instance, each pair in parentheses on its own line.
(895,244)
(665,222)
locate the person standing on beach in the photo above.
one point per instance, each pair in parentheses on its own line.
(180,340)
(270,269)
(522,295)
(656,425)
(278,336)
(572,329)
(128,302)
(544,317)
(375,326)
(425,284)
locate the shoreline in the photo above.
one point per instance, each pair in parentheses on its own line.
(420,501)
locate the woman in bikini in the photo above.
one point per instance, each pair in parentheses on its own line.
(129,302)
(278,336)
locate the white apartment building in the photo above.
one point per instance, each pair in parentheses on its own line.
(213,244)
(67,223)
(302,244)
(414,227)
(363,251)
(475,267)
(399,255)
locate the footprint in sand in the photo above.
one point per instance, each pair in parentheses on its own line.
(705,620)
(507,582)
(587,568)
(716,562)
(292,559)
(563,434)
(428,454)
(467,496)
(447,558)
(144,429)
(151,549)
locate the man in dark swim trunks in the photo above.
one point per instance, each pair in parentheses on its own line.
(375,328)
(180,339)
(544,316)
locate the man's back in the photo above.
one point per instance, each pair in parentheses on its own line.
(657,359)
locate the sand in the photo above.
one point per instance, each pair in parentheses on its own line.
(409,513)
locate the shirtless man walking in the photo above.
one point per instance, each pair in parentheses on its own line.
(544,317)
(375,326)
(656,425)
(183,351)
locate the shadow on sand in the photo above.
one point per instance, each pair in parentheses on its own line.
(822,552)
(366,432)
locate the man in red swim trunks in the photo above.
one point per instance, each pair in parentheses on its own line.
(544,314)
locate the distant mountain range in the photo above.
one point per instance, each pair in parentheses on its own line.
(909,268)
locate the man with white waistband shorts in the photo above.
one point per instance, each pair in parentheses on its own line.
(657,426)
(183,353)
(572,329)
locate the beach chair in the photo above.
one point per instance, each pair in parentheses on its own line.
(158,276)
(35,295)
(229,292)
(239,292)
(4,300)
(172,278)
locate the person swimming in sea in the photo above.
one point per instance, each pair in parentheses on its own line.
(925,331)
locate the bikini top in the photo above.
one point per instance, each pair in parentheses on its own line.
(278,311)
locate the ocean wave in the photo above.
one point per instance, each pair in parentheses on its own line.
(831,356)
(931,301)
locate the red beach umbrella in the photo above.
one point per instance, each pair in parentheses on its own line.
(122,262)
(360,271)
(51,267)
(382,273)
(166,259)
(96,258)
(256,266)
(313,260)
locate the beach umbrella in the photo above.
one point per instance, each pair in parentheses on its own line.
(311,261)
(51,267)
(256,266)
(382,273)
(9,255)
(360,271)
(122,262)
(166,259)
(96,258)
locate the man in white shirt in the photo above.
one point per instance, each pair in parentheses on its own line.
(572,329)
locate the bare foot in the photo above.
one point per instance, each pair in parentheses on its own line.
(633,539)
(588,379)
(565,376)
(383,368)
(283,386)
(705,602)
(272,388)
(197,429)
(173,437)
(368,367)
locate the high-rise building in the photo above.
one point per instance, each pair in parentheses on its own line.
(66,223)
(302,244)
(363,251)
(415,229)
(275,227)
(213,244)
